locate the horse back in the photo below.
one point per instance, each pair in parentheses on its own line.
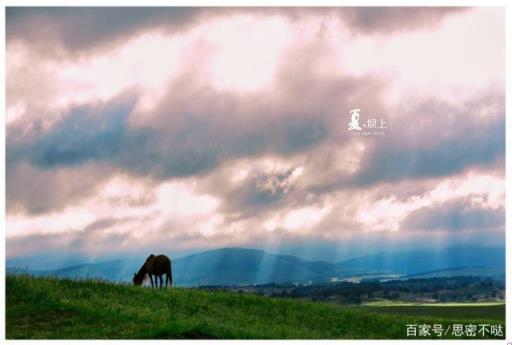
(158,264)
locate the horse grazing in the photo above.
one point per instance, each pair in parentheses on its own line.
(154,266)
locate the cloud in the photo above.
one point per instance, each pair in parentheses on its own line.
(86,28)
(457,215)
(102,133)
(95,132)
(96,237)
(378,20)
(38,190)
(179,138)
(261,192)
(194,128)
(426,140)
(394,163)
(76,29)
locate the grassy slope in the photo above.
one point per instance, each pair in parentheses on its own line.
(60,309)
(490,312)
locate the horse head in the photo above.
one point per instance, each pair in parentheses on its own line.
(138,278)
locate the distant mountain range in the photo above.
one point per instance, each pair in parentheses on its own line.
(239,266)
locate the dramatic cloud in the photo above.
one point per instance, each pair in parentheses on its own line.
(170,139)
(439,140)
(181,129)
(83,28)
(457,215)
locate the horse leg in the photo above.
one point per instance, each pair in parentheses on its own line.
(161,281)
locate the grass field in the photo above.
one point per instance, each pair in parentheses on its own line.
(46,308)
(472,311)
(489,312)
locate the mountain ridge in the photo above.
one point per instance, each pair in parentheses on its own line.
(245,266)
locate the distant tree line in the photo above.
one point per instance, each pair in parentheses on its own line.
(453,289)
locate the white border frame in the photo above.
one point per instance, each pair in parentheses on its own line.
(263,3)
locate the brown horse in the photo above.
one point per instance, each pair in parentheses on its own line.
(155,266)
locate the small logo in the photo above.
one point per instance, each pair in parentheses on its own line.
(354,120)
(371,126)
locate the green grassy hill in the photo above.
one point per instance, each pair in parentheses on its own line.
(48,308)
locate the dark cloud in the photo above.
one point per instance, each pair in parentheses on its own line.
(75,29)
(448,141)
(97,132)
(193,128)
(49,169)
(457,215)
(83,28)
(482,147)
(425,141)
(265,189)
(387,19)
(261,192)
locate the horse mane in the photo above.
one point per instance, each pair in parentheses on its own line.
(142,272)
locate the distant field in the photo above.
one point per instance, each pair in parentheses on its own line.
(389,303)
(468,311)
(48,308)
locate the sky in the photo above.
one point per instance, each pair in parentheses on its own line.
(177,130)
